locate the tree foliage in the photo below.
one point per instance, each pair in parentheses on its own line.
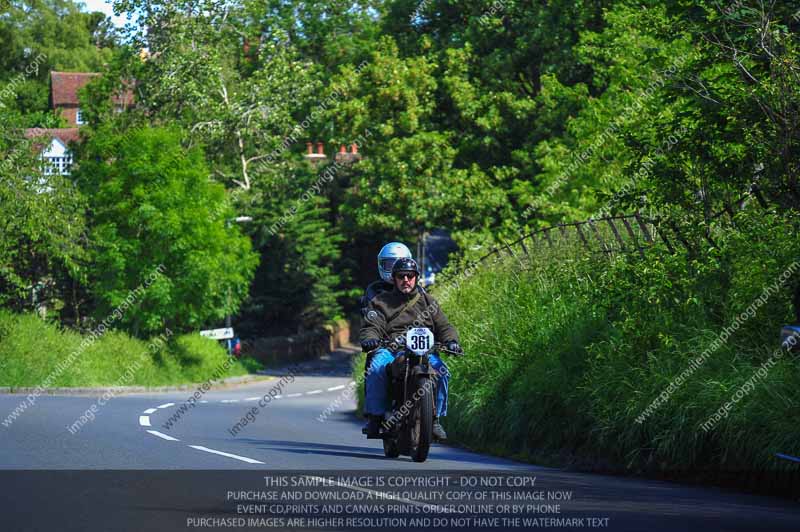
(487,118)
(42,221)
(152,205)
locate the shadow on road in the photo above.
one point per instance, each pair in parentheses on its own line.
(334,364)
(325,449)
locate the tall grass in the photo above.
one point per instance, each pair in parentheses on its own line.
(565,351)
(31,348)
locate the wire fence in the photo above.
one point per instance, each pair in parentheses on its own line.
(628,233)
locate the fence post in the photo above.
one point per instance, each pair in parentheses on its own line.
(610,222)
(583,238)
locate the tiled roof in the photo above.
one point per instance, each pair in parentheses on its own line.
(64,86)
(65,135)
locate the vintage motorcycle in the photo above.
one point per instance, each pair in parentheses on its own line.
(408,425)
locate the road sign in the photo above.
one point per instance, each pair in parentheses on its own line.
(218,334)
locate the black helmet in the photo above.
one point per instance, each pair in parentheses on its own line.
(405,265)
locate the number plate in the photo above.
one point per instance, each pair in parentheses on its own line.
(419,340)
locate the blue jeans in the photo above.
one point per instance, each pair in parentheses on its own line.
(377,383)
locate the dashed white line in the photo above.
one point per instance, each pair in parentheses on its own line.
(229,455)
(163,436)
(334,388)
(144,421)
(203,401)
(278,396)
(229,401)
(150,410)
(294,395)
(166,405)
(312,392)
(252,399)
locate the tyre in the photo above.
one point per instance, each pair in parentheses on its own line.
(422,423)
(390,448)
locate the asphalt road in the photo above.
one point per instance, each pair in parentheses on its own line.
(142,464)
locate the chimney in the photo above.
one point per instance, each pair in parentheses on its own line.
(317,157)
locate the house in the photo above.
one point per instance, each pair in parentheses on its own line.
(54,143)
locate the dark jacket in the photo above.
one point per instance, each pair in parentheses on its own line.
(373,289)
(424,313)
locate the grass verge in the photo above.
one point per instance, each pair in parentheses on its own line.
(33,352)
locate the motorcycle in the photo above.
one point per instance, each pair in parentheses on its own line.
(408,425)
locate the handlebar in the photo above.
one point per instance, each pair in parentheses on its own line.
(437,347)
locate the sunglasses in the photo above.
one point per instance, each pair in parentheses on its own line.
(405,275)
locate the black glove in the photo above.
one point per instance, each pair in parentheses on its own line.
(454,347)
(370,345)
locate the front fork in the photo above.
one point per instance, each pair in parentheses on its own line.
(404,378)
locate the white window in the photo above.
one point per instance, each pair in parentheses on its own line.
(57,159)
(57,165)
(79,117)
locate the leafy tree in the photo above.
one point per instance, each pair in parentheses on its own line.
(410,179)
(152,204)
(42,220)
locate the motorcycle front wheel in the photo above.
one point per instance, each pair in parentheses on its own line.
(390,448)
(422,423)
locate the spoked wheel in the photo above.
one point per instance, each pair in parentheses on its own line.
(422,423)
(390,448)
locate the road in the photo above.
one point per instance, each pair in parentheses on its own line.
(142,464)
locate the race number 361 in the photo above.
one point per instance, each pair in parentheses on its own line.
(419,340)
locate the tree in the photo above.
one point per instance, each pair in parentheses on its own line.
(411,178)
(152,204)
(42,221)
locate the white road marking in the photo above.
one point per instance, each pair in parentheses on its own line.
(150,410)
(252,399)
(229,401)
(333,389)
(229,455)
(163,436)
(278,396)
(312,392)
(144,421)
(166,405)
(382,495)
(294,395)
(204,401)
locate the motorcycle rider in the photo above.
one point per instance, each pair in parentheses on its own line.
(386,259)
(389,316)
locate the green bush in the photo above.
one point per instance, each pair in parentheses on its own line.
(31,349)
